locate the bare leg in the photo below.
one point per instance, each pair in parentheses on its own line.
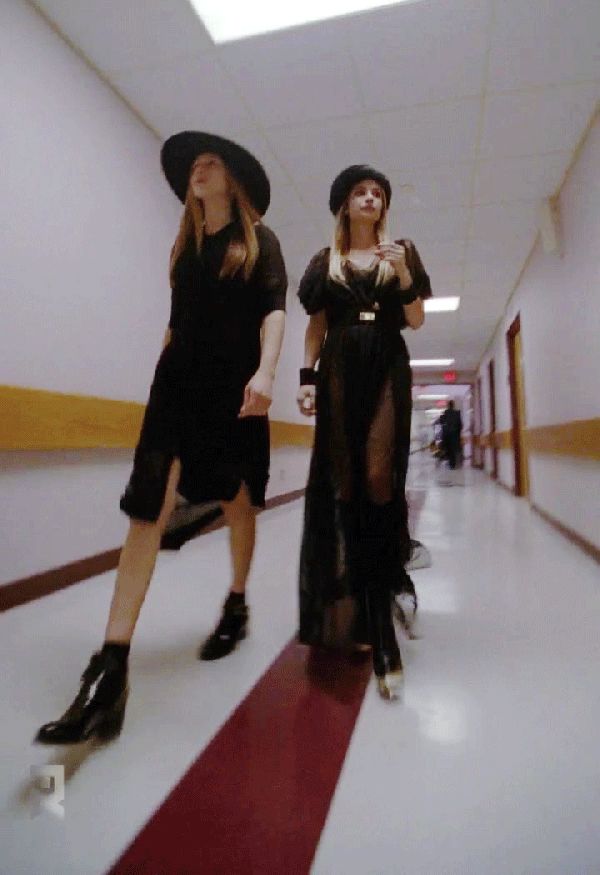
(232,626)
(136,565)
(240,516)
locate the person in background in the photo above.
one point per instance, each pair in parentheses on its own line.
(451,422)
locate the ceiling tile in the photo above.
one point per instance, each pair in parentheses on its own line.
(419,136)
(501,221)
(529,178)
(318,151)
(442,225)
(450,73)
(206,100)
(544,42)
(428,23)
(432,187)
(298,91)
(540,121)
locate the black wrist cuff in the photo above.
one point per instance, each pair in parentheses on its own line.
(308,377)
(409,296)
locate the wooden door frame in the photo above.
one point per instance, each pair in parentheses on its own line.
(515,413)
(479,459)
(492,382)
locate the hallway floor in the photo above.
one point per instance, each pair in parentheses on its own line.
(488,765)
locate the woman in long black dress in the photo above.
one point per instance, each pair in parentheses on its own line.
(205,432)
(360,293)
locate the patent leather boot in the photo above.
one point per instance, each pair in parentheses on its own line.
(98,710)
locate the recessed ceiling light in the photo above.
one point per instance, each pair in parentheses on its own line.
(441,305)
(431,363)
(226,21)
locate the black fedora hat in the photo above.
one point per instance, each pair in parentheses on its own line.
(181,150)
(345,181)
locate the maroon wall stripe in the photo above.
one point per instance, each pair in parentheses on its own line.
(256,800)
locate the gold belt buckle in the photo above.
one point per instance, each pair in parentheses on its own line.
(366,316)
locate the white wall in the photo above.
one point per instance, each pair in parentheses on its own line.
(85,292)
(284,405)
(88,223)
(558,299)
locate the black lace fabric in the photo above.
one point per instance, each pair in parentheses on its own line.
(199,382)
(356,517)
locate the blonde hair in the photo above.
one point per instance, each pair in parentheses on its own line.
(340,246)
(240,253)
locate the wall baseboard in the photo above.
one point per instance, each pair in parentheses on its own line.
(573,536)
(19,592)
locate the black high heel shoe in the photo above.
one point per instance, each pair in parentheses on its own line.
(98,710)
(387,662)
(231,629)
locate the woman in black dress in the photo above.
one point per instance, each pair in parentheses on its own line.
(205,432)
(360,293)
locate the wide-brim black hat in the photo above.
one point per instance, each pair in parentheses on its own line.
(181,150)
(345,181)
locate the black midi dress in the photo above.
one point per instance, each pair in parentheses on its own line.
(355,533)
(199,381)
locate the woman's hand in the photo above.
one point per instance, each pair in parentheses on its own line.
(395,253)
(307,400)
(258,395)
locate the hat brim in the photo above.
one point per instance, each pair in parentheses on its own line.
(345,181)
(181,150)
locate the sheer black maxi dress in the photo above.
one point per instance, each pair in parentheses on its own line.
(355,540)
(199,382)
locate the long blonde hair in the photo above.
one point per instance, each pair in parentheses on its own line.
(240,253)
(340,246)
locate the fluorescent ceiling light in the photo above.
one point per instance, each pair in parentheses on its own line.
(431,363)
(441,305)
(432,397)
(226,20)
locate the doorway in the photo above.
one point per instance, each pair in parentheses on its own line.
(493,447)
(517,406)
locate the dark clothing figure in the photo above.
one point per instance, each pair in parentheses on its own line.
(199,382)
(356,539)
(451,422)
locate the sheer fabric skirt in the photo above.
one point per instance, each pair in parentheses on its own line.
(355,540)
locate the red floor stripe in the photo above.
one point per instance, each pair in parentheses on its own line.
(256,799)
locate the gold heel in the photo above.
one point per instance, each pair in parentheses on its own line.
(390,685)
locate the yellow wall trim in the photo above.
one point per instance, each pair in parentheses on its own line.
(580,438)
(35,419)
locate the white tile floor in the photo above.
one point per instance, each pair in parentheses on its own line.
(489,765)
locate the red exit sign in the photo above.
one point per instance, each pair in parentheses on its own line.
(449,376)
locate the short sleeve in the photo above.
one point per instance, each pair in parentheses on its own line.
(312,288)
(421,282)
(173,314)
(270,274)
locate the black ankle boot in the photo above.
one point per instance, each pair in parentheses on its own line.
(231,629)
(98,709)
